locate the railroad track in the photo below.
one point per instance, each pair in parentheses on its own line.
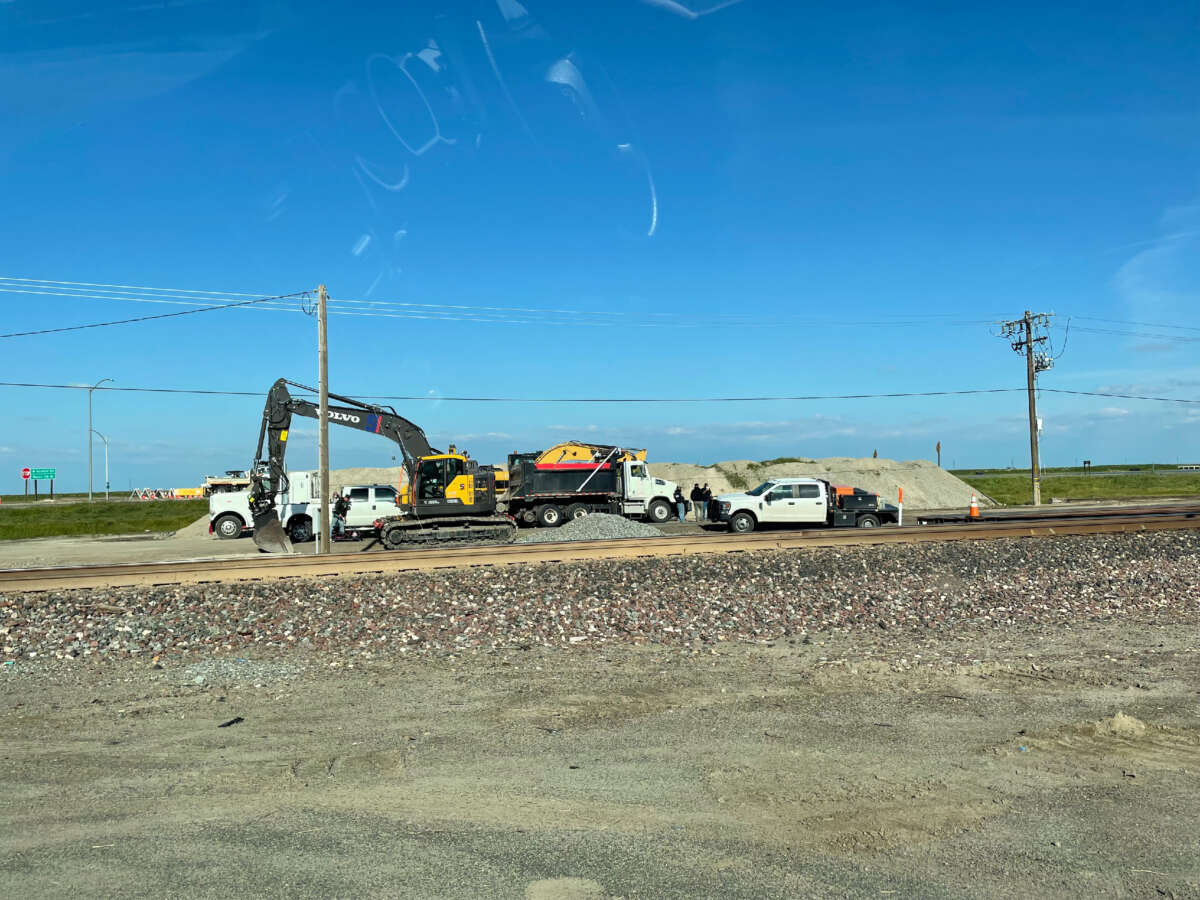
(263,568)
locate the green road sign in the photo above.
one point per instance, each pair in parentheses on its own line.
(43,474)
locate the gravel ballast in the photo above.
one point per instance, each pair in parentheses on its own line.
(594,527)
(684,602)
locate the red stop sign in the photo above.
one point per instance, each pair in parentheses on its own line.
(25,473)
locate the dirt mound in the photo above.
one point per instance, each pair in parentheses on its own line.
(1120,725)
(199,528)
(926,486)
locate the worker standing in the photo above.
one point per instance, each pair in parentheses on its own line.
(680,504)
(696,497)
(705,499)
(341,506)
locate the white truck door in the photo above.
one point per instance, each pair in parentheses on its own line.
(638,483)
(360,515)
(778,505)
(810,503)
(383,501)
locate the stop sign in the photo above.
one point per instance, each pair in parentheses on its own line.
(25,473)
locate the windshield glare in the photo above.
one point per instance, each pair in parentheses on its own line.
(765,486)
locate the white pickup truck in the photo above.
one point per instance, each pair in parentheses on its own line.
(229,513)
(802,501)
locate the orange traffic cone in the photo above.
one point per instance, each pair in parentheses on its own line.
(974,512)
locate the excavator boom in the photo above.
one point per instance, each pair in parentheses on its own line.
(273,434)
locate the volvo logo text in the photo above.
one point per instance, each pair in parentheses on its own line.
(336,416)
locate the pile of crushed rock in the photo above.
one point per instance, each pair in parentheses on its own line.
(596,527)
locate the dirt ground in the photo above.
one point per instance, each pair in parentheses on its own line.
(83,551)
(1042,762)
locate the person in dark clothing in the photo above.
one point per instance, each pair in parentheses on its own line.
(705,499)
(341,506)
(680,504)
(697,498)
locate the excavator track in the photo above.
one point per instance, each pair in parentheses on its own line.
(398,533)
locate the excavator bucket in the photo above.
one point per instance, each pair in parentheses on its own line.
(269,535)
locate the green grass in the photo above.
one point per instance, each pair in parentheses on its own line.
(1018,491)
(44,494)
(736,481)
(98,518)
(1071,470)
(783,460)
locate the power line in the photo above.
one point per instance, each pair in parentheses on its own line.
(1139,324)
(756,399)
(186,312)
(487,314)
(1175,338)
(129,287)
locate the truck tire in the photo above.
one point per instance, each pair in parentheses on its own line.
(742,523)
(549,516)
(300,529)
(659,511)
(576,511)
(868,521)
(228,526)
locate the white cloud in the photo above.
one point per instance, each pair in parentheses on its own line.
(1113,411)
(1164,280)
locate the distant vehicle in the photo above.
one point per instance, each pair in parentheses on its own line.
(232,481)
(802,501)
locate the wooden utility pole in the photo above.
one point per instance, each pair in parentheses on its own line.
(1020,334)
(323,526)
(1031,384)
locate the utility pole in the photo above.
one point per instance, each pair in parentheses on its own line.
(323,525)
(1020,333)
(90,430)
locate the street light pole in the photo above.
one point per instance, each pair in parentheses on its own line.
(103,438)
(90,429)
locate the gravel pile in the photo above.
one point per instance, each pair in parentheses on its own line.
(684,602)
(594,527)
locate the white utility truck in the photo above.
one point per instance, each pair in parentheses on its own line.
(802,501)
(229,513)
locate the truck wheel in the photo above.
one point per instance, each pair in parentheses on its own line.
(228,526)
(742,523)
(576,511)
(300,530)
(658,512)
(549,516)
(868,521)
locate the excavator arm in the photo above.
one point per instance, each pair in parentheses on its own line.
(268,478)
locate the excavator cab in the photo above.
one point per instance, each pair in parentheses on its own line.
(449,484)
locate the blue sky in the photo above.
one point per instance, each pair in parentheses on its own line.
(631,199)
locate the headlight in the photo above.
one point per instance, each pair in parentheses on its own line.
(725,505)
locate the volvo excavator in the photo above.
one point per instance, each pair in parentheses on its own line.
(445,497)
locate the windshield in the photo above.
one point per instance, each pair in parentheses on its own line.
(765,486)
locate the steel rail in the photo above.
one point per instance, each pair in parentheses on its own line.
(263,568)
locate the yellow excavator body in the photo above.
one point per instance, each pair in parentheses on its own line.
(577,451)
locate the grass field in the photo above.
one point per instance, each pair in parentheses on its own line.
(97,518)
(1017,491)
(1150,467)
(44,494)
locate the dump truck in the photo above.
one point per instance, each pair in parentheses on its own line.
(574,478)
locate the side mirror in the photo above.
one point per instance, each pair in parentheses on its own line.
(767,498)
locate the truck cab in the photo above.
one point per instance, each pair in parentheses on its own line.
(802,501)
